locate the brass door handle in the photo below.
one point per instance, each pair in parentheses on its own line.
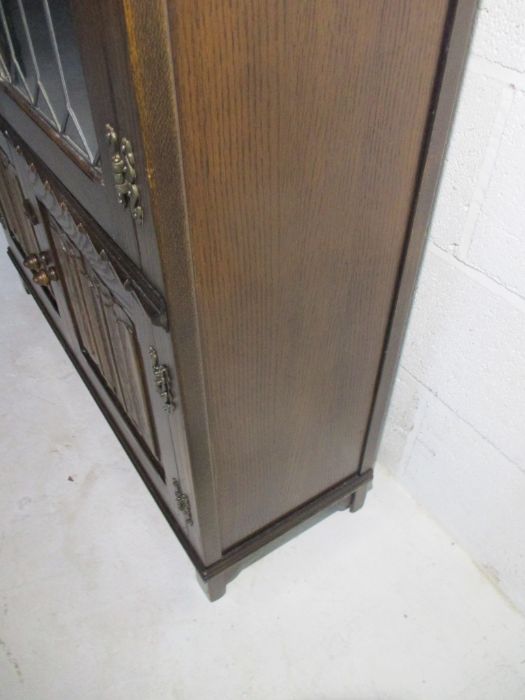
(45,276)
(43,271)
(32,262)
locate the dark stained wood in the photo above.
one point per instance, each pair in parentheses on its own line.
(454,54)
(20,215)
(116,421)
(301,128)
(118,366)
(106,331)
(287,154)
(151,60)
(13,213)
(91,171)
(92,194)
(109,69)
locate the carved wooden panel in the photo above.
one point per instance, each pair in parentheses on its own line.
(106,331)
(15,210)
(110,304)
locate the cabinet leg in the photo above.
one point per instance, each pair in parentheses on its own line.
(357,499)
(345,505)
(215,587)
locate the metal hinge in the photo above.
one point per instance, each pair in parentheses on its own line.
(162,379)
(183,502)
(124,173)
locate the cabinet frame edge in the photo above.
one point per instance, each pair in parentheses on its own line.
(449,75)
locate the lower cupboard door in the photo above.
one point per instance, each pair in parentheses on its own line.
(15,212)
(117,323)
(107,334)
(109,316)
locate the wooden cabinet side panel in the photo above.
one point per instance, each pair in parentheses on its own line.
(301,129)
(461,22)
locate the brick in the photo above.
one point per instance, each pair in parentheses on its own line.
(466,343)
(477,110)
(408,402)
(500,33)
(498,241)
(474,491)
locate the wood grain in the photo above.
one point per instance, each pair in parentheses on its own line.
(461,21)
(301,128)
(287,152)
(152,73)
(112,99)
(13,216)
(118,367)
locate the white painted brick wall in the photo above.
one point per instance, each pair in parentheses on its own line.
(455,434)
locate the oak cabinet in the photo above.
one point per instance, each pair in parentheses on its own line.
(220,209)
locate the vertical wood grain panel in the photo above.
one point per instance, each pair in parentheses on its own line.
(440,121)
(301,127)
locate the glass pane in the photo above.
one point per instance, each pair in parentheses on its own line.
(46,60)
(39,55)
(73,134)
(18,50)
(5,54)
(42,104)
(75,88)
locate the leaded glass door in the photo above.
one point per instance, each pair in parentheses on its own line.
(65,87)
(41,60)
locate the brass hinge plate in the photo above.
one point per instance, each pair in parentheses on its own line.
(124,173)
(183,502)
(162,380)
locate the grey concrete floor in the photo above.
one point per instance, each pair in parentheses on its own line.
(98,601)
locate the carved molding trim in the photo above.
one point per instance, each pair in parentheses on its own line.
(125,279)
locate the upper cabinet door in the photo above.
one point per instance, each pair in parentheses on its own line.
(41,64)
(66,90)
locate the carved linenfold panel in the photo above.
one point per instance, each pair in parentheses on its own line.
(43,268)
(106,331)
(14,208)
(270,166)
(109,299)
(162,378)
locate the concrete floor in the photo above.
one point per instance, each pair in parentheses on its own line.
(98,601)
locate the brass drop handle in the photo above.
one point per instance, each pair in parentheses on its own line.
(43,271)
(45,276)
(32,262)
